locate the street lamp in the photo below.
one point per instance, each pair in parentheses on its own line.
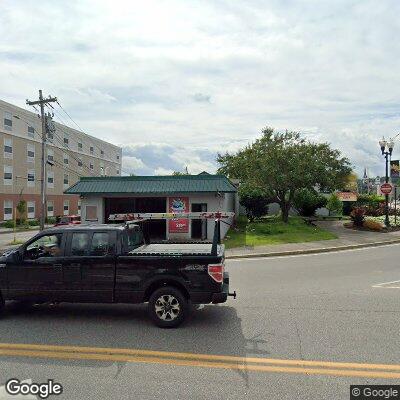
(386,149)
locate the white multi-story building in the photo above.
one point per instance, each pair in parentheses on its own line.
(71,154)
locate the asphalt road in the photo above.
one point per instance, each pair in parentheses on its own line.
(315,308)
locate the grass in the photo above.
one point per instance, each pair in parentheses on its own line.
(15,242)
(272,230)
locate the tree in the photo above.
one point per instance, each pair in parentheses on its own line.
(21,208)
(334,205)
(351,182)
(255,200)
(307,201)
(284,163)
(179,173)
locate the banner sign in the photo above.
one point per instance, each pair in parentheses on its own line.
(347,196)
(178,205)
(394,168)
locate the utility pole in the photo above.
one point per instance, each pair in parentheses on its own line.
(42,102)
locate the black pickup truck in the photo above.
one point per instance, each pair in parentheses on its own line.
(114,264)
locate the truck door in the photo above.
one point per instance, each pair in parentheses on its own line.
(97,284)
(37,275)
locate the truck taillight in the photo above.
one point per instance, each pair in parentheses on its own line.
(216,271)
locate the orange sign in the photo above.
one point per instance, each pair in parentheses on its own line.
(347,196)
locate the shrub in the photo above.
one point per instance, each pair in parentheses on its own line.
(357,215)
(307,201)
(8,224)
(21,208)
(334,205)
(33,222)
(255,200)
(50,220)
(373,225)
(374,205)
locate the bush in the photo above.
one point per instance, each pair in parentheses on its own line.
(50,220)
(8,224)
(373,225)
(307,201)
(255,200)
(374,205)
(334,205)
(33,222)
(357,215)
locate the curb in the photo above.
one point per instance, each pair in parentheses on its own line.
(313,251)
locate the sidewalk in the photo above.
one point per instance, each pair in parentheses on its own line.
(347,238)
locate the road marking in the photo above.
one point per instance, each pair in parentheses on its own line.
(256,364)
(388,285)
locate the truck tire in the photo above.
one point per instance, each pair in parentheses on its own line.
(168,307)
(2,305)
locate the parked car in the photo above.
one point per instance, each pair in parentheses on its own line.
(114,264)
(68,220)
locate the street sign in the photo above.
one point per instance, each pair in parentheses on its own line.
(386,188)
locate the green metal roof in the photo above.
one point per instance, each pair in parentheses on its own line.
(152,184)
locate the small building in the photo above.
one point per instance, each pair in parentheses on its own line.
(102,196)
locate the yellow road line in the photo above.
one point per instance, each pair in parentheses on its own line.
(198,363)
(202,357)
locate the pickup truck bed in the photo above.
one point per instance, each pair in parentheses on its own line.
(175,249)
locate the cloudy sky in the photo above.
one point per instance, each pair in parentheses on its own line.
(175,82)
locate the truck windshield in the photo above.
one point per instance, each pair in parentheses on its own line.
(135,237)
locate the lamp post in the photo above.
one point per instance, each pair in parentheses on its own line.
(386,149)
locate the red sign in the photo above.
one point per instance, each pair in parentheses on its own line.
(386,188)
(347,196)
(178,205)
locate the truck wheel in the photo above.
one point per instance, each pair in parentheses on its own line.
(2,306)
(168,307)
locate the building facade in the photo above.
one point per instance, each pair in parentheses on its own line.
(103,196)
(70,155)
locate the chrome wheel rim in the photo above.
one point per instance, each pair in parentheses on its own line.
(167,307)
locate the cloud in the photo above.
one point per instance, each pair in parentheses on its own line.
(190,79)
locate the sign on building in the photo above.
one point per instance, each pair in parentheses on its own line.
(347,196)
(178,205)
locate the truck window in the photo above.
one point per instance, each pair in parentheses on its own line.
(45,246)
(135,237)
(102,244)
(80,244)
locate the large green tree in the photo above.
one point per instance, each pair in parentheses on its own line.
(283,163)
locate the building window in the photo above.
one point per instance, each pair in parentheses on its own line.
(66,181)
(117,171)
(30,151)
(80,163)
(117,157)
(102,153)
(79,207)
(31,131)
(50,179)
(50,209)
(91,166)
(50,137)
(31,178)
(101,169)
(66,159)
(91,149)
(7,121)
(31,209)
(50,155)
(8,148)
(8,210)
(8,175)
(66,140)
(66,207)
(80,147)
